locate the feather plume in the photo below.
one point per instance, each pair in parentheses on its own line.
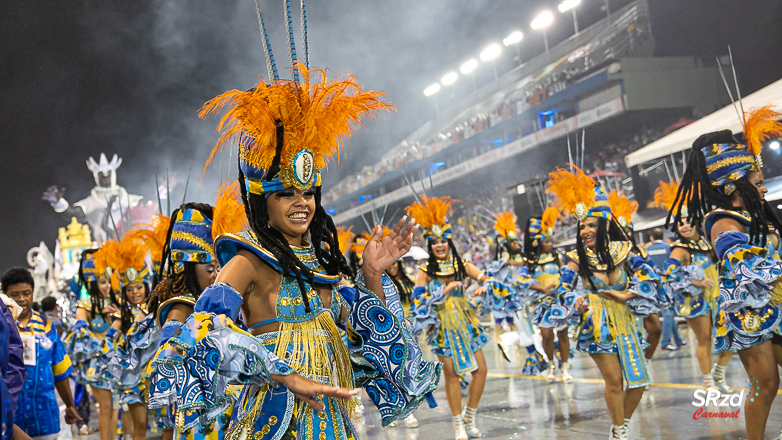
(664,195)
(569,189)
(107,257)
(621,206)
(549,219)
(761,125)
(506,222)
(431,210)
(153,234)
(360,244)
(132,252)
(344,236)
(317,114)
(228,215)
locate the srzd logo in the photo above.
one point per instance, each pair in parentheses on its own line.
(712,397)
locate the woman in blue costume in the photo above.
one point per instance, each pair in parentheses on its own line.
(129,264)
(191,266)
(91,340)
(691,271)
(544,264)
(440,309)
(614,278)
(290,282)
(723,186)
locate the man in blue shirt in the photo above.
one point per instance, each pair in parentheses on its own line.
(48,366)
(658,252)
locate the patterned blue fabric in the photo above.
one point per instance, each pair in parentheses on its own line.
(506,289)
(220,299)
(728,162)
(37,413)
(191,238)
(128,362)
(652,294)
(90,354)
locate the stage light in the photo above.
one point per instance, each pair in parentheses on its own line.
(568,5)
(513,38)
(543,20)
(449,78)
(774,145)
(469,66)
(431,90)
(491,52)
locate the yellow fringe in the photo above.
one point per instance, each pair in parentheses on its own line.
(621,322)
(300,346)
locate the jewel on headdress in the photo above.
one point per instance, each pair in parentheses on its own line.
(581,211)
(131,274)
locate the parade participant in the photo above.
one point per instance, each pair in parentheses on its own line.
(692,273)
(12,368)
(129,264)
(440,309)
(404,285)
(603,260)
(723,188)
(91,339)
(544,264)
(623,210)
(47,363)
(287,277)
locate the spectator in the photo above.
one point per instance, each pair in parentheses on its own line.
(51,311)
(48,366)
(12,369)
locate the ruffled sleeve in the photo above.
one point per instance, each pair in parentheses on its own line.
(192,371)
(89,354)
(680,277)
(127,364)
(746,272)
(563,311)
(505,290)
(393,371)
(651,294)
(422,310)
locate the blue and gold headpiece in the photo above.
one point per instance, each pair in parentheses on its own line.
(88,270)
(505,227)
(540,228)
(577,194)
(191,239)
(431,213)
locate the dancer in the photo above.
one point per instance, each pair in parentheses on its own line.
(92,339)
(544,264)
(723,187)
(691,271)
(609,332)
(440,309)
(290,288)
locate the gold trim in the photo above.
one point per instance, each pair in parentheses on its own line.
(182,299)
(619,250)
(731,161)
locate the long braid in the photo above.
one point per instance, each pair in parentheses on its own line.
(323,230)
(461,273)
(431,262)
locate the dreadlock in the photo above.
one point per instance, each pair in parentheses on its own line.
(96,297)
(322,230)
(699,196)
(606,233)
(404,285)
(432,263)
(176,284)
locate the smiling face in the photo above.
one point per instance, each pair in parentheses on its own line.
(291,211)
(547,245)
(440,248)
(514,246)
(686,230)
(104,287)
(587,230)
(136,293)
(393,269)
(206,274)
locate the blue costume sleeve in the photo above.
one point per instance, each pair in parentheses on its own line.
(422,313)
(746,272)
(220,299)
(391,366)
(131,357)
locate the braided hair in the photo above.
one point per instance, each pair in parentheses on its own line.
(432,263)
(699,196)
(96,297)
(322,231)
(532,253)
(176,284)
(606,233)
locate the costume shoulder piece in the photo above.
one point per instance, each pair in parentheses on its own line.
(701,245)
(713,216)
(619,250)
(228,245)
(546,258)
(165,306)
(642,252)
(445,268)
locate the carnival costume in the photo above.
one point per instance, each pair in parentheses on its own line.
(286,131)
(545,271)
(91,344)
(749,261)
(607,326)
(449,321)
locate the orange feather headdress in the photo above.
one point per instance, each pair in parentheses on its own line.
(761,125)
(154,235)
(344,237)
(228,215)
(549,220)
(622,208)
(288,130)
(577,194)
(126,259)
(505,226)
(431,213)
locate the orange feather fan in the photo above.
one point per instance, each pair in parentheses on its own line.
(153,234)
(431,210)
(621,206)
(506,222)
(317,114)
(569,189)
(132,252)
(761,125)
(228,215)
(344,237)
(549,219)
(664,195)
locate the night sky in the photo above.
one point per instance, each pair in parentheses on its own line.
(79,78)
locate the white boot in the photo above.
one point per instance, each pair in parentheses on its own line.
(411,421)
(468,416)
(458,427)
(566,376)
(552,373)
(617,432)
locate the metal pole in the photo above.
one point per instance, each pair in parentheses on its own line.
(545,40)
(494,65)
(575,19)
(608,11)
